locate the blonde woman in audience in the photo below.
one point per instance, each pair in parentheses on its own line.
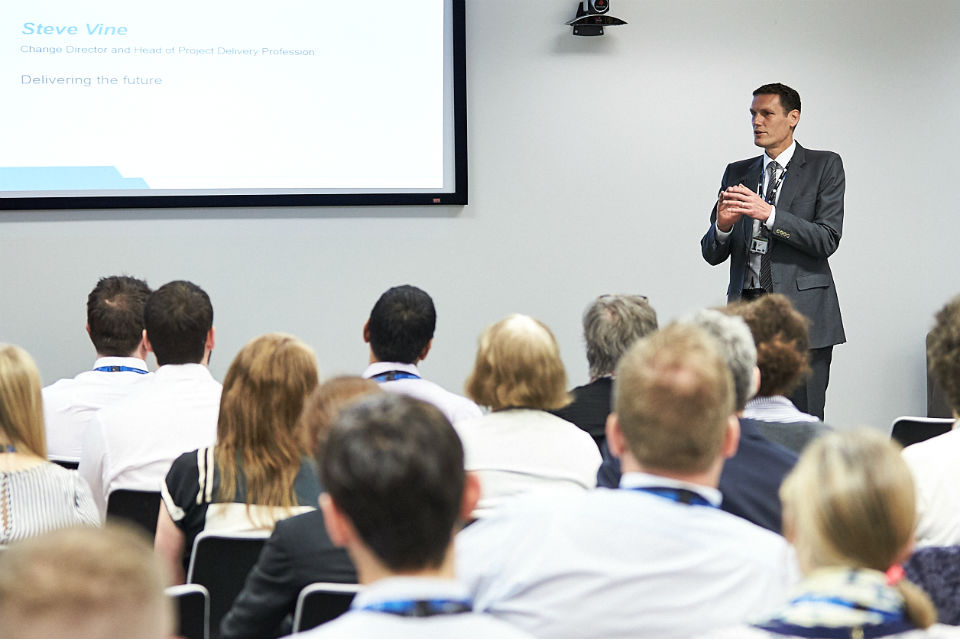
(37,495)
(83,582)
(260,469)
(849,512)
(520,447)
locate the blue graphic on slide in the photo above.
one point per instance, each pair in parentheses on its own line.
(65,179)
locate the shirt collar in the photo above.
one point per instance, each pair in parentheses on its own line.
(183,372)
(638,480)
(408,588)
(377,368)
(784,158)
(117,361)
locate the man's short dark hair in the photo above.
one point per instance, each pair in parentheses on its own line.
(789,98)
(943,351)
(115,314)
(402,322)
(178,317)
(610,325)
(394,466)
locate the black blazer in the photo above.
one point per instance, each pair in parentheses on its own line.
(590,408)
(298,553)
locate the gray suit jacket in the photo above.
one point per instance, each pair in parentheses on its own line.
(806,232)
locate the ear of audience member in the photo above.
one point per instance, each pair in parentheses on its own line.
(849,509)
(611,323)
(520,446)
(259,470)
(299,551)
(83,582)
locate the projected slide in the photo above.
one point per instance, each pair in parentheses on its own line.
(211,97)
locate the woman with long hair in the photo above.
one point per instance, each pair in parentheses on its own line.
(260,469)
(35,495)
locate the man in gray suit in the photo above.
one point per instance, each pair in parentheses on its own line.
(778,218)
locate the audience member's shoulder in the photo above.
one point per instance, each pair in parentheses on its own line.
(936,446)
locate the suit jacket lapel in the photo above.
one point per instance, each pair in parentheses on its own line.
(793,179)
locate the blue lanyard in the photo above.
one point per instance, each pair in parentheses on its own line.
(682,496)
(420,608)
(116,368)
(390,376)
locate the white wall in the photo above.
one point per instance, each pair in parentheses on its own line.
(593,166)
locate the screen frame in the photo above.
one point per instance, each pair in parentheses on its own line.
(456,197)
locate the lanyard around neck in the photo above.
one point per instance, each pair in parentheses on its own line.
(390,376)
(421,608)
(681,496)
(116,368)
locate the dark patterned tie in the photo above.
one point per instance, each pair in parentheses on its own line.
(773,184)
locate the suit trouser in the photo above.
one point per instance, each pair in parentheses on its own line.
(811,396)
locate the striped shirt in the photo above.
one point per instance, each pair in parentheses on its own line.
(43,498)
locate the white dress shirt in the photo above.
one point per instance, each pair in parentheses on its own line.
(622,563)
(131,444)
(776,409)
(360,623)
(516,451)
(936,476)
(69,403)
(453,406)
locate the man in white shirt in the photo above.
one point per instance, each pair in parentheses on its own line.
(131,444)
(393,470)
(655,557)
(115,326)
(934,462)
(400,334)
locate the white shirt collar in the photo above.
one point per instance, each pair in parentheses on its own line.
(117,361)
(377,368)
(409,588)
(637,480)
(784,158)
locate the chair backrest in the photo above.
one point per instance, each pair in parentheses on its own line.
(221,562)
(321,602)
(909,430)
(192,604)
(936,570)
(66,463)
(138,507)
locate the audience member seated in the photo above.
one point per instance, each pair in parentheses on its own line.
(130,444)
(400,334)
(750,480)
(82,582)
(395,489)
(781,335)
(849,511)
(299,552)
(519,447)
(934,462)
(610,325)
(115,326)
(259,471)
(654,558)
(37,495)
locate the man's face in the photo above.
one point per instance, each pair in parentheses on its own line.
(772,128)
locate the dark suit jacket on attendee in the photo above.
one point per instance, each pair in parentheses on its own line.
(298,553)
(806,231)
(589,409)
(750,481)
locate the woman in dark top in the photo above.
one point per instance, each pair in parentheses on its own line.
(259,471)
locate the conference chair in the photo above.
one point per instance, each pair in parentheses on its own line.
(192,604)
(909,430)
(138,507)
(936,570)
(321,602)
(67,463)
(220,562)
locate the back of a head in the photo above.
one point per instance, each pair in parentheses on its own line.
(673,396)
(781,334)
(21,403)
(850,503)
(178,316)
(83,582)
(263,395)
(402,322)
(735,343)
(610,325)
(394,466)
(943,351)
(115,314)
(518,365)
(324,404)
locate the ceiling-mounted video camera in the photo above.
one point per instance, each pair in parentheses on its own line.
(592,17)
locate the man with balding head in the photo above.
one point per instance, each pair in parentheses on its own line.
(654,557)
